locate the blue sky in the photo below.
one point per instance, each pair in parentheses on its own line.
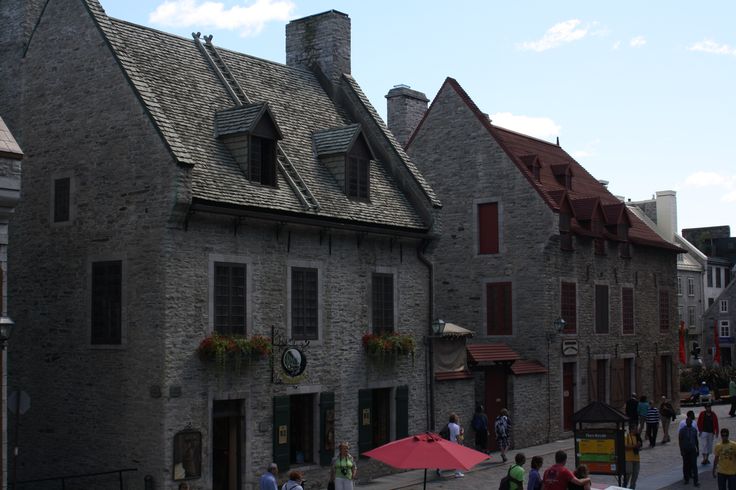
(640,93)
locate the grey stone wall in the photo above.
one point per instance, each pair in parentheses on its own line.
(465,166)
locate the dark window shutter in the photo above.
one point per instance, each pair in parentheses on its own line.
(601,309)
(568,306)
(618,384)
(62,188)
(326,428)
(365,421)
(664,310)
(402,412)
(488,228)
(627,310)
(268,162)
(281,416)
(498,308)
(107,302)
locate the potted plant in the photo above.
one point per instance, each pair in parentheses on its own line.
(389,344)
(225,350)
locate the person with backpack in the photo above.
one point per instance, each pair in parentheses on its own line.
(515,475)
(502,428)
(480,426)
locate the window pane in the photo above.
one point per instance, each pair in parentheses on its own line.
(601,309)
(229,299)
(106,302)
(61,199)
(627,310)
(568,306)
(304,303)
(383,303)
(664,310)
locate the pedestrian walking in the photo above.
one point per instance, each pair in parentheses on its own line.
(296,478)
(502,427)
(632,410)
(652,424)
(689,415)
(732,396)
(724,462)
(708,427)
(535,479)
(642,408)
(688,440)
(516,473)
(480,427)
(557,476)
(268,479)
(343,469)
(632,443)
(667,416)
(456,436)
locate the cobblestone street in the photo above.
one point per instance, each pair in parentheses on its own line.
(661,466)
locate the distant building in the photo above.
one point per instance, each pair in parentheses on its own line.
(530,238)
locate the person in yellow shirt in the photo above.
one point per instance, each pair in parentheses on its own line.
(632,443)
(724,464)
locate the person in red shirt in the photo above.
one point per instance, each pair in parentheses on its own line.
(557,476)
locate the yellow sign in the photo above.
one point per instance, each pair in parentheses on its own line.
(591,446)
(366,416)
(282,434)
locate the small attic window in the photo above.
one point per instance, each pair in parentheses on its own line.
(346,153)
(563,175)
(533,165)
(251,134)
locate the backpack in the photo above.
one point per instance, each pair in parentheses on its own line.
(505,483)
(500,426)
(445,432)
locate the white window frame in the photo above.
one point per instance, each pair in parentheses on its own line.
(679,286)
(723,306)
(690,286)
(724,328)
(230,259)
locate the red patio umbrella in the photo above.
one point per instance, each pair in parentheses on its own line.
(427,451)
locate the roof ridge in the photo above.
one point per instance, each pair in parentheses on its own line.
(496,126)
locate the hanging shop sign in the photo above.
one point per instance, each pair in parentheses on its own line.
(290,367)
(293,362)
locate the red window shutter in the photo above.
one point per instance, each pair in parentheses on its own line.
(627,307)
(488,228)
(568,306)
(498,308)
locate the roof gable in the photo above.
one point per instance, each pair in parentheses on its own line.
(338,140)
(246,119)
(8,146)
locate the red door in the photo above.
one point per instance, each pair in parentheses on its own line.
(496,399)
(568,394)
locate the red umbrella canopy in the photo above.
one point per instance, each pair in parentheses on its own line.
(427,451)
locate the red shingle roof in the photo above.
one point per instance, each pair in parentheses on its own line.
(451,376)
(585,188)
(526,366)
(490,353)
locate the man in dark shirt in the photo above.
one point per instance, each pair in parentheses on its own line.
(688,438)
(632,405)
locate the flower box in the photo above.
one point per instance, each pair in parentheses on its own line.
(389,344)
(226,350)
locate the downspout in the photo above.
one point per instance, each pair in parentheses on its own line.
(421,248)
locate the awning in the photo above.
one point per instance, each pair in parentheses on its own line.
(451,376)
(452,330)
(489,354)
(527,366)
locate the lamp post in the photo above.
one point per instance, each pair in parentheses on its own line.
(438,327)
(558,325)
(6,327)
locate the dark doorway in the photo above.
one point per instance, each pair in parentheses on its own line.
(227,420)
(301,427)
(568,395)
(381,410)
(496,398)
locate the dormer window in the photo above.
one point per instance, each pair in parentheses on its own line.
(251,134)
(563,175)
(346,153)
(533,165)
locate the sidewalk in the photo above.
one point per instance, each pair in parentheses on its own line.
(661,466)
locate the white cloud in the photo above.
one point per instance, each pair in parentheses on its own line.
(616,45)
(539,127)
(588,150)
(248,19)
(710,46)
(713,180)
(561,33)
(637,42)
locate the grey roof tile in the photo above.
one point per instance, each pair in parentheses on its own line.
(241,119)
(335,140)
(8,146)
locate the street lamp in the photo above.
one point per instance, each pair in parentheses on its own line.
(559,324)
(438,327)
(6,327)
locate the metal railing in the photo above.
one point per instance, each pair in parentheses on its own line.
(63,479)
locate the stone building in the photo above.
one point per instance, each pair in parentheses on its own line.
(530,238)
(175,191)
(10,179)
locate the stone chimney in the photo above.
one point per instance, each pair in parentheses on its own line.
(667,213)
(320,43)
(405,108)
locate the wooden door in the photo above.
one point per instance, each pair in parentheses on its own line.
(496,399)
(226,427)
(568,395)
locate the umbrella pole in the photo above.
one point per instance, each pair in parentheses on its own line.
(425,478)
